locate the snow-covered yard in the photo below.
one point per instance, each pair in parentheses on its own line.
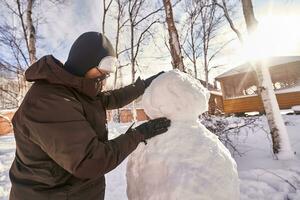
(261,177)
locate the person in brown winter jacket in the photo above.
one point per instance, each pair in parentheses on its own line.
(63,151)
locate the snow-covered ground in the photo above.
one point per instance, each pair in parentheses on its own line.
(7,152)
(261,177)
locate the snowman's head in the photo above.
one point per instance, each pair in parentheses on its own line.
(177,96)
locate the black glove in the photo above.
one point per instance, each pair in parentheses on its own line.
(153,127)
(151,78)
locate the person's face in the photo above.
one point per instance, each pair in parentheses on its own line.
(95,73)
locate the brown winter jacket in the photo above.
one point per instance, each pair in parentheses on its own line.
(63,150)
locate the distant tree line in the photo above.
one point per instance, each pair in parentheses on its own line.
(187,27)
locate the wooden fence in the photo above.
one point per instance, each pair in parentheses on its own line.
(125,117)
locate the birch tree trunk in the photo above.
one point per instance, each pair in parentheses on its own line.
(21,52)
(118,72)
(140,24)
(177,60)
(193,49)
(194,52)
(205,62)
(30,40)
(31,33)
(223,6)
(280,139)
(105,10)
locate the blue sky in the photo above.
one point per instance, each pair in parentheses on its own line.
(66,23)
(79,16)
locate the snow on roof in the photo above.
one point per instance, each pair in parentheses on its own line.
(268,62)
(296,108)
(219,93)
(295,88)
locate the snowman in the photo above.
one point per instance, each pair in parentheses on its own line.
(188,161)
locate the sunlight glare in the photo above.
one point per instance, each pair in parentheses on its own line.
(275,36)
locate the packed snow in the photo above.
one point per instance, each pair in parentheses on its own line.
(296,109)
(177,96)
(188,161)
(261,177)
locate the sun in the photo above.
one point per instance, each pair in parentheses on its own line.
(276,35)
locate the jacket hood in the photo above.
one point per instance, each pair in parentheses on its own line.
(51,70)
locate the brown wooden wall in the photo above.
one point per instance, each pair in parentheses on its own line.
(252,104)
(126,115)
(6,126)
(215,104)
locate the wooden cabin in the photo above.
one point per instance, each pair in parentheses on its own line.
(5,122)
(239,85)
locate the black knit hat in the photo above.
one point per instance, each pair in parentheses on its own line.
(87,52)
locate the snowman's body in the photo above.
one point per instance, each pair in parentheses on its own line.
(187,162)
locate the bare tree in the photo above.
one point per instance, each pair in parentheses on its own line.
(18,38)
(227,130)
(106,5)
(140,23)
(121,22)
(31,32)
(209,22)
(203,22)
(281,143)
(28,28)
(224,7)
(16,41)
(134,20)
(192,49)
(175,47)
(8,92)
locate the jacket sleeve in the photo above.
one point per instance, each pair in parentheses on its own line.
(58,126)
(114,99)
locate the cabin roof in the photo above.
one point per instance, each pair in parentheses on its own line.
(269,62)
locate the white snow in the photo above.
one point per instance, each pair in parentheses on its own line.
(256,167)
(278,91)
(188,161)
(177,96)
(296,108)
(262,177)
(295,88)
(285,61)
(7,153)
(285,151)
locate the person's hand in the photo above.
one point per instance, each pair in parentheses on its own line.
(153,127)
(149,80)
